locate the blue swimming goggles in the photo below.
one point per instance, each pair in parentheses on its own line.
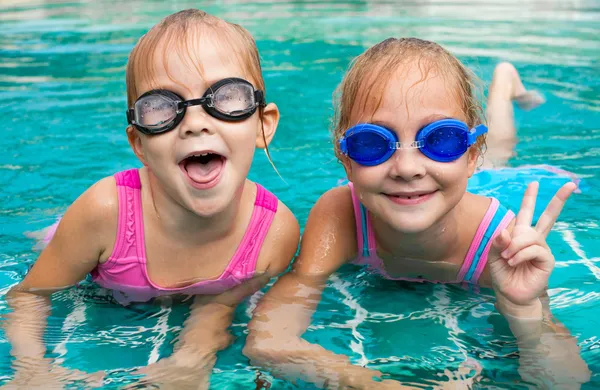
(444,141)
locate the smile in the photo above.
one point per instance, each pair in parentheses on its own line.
(410,198)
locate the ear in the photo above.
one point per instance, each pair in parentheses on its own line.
(270,120)
(472,162)
(135,141)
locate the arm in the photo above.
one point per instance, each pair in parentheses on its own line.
(283,315)
(73,252)
(205,331)
(548,354)
(520,265)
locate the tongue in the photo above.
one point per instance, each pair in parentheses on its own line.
(204,173)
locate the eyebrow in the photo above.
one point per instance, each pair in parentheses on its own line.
(424,122)
(178,88)
(434,117)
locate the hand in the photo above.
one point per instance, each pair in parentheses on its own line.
(44,373)
(461,378)
(521,262)
(179,371)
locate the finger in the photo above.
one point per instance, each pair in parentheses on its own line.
(552,211)
(521,242)
(525,216)
(499,244)
(534,253)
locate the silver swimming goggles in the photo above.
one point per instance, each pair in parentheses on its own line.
(158,111)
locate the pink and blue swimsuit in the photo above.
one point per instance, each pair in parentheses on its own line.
(494,221)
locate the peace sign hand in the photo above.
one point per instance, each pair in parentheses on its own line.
(520,261)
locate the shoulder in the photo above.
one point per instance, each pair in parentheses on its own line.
(100,200)
(94,213)
(84,234)
(329,238)
(335,202)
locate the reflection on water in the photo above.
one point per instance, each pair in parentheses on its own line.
(62,90)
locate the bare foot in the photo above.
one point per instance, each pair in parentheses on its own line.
(529,100)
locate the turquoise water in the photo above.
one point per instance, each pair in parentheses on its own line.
(63,99)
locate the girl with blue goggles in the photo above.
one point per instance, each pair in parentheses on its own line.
(444,141)
(416,222)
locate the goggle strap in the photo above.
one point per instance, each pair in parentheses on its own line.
(130,119)
(196,102)
(476,132)
(343,146)
(259,97)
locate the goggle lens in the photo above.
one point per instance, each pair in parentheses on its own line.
(367,146)
(446,142)
(234,100)
(155,111)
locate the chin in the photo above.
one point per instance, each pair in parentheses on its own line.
(209,207)
(219,199)
(410,226)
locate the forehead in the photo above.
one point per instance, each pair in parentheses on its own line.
(413,91)
(192,63)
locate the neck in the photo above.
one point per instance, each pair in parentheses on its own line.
(439,243)
(185,225)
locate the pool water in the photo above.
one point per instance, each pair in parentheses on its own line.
(62,94)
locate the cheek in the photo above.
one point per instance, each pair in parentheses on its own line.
(368,178)
(242,142)
(453,174)
(243,131)
(155,147)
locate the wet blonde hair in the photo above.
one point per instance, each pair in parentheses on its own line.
(174,33)
(372,70)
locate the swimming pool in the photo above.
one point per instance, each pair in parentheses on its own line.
(63,98)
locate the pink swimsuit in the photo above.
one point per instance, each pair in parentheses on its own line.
(125,270)
(494,221)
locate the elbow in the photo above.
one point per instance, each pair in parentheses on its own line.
(263,351)
(17,298)
(257,349)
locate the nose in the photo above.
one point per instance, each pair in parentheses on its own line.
(407,164)
(195,121)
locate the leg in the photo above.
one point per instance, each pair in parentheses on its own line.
(505,88)
(43,236)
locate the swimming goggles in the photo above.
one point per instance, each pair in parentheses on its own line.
(444,141)
(158,111)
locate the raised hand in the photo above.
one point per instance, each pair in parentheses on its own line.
(520,261)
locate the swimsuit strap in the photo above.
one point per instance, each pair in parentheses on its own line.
(130,229)
(243,262)
(360,217)
(496,218)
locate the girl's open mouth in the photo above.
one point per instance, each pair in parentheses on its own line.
(203,169)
